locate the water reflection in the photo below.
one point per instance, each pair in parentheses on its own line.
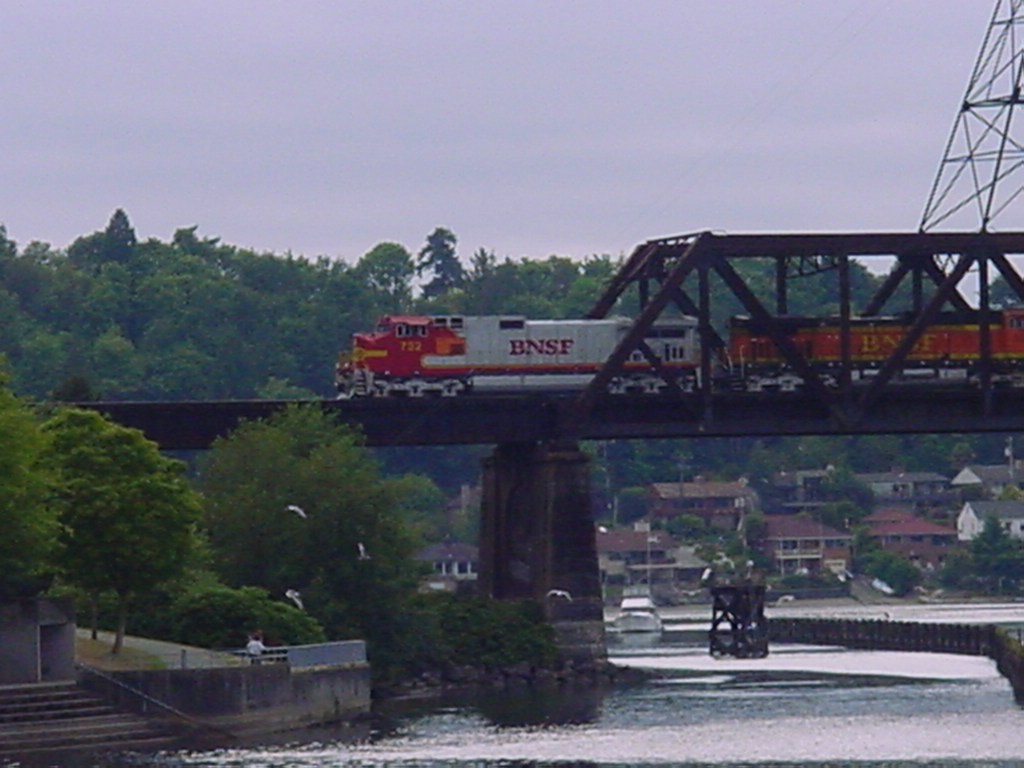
(508,708)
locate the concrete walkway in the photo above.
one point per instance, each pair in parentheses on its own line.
(168,655)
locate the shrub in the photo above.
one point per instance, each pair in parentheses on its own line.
(221,617)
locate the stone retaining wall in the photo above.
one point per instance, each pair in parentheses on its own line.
(258,699)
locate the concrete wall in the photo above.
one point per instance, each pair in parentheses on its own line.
(37,641)
(259,698)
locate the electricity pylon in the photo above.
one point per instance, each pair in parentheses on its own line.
(982,170)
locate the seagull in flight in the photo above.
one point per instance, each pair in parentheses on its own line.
(362,551)
(561,593)
(295,597)
(297,510)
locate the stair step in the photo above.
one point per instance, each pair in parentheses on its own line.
(141,745)
(116,729)
(51,714)
(56,717)
(94,740)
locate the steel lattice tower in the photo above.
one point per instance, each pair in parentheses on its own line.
(982,170)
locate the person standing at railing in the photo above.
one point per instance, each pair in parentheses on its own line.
(255,647)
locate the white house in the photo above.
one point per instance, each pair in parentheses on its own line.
(452,562)
(971,520)
(991,479)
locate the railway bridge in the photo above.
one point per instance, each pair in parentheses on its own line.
(536,532)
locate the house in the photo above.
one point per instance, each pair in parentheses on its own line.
(453,564)
(801,490)
(799,544)
(718,504)
(918,491)
(988,480)
(971,520)
(635,555)
(922,542)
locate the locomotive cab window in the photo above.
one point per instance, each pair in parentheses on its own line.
(404,331)
(1016,322)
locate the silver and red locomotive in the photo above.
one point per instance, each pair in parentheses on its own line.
(448,355)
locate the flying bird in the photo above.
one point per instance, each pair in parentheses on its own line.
(560,593)
(297,510)
(362,551)
(295,597)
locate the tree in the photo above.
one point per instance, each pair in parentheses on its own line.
(127,514)
(895,570)
(115,244)
(28,526)
(998,558)
(389,268)
(216,616)
(119,239)
(349,552)
(438,259)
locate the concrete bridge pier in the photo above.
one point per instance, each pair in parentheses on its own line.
(537,540)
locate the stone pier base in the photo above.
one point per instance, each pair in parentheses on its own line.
(537,540)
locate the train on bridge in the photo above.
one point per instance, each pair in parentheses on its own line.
(453,355)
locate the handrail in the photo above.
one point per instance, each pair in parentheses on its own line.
(149,699)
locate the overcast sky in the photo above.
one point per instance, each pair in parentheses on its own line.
(527,128)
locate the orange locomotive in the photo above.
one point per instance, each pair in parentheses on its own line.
(948,350)
(448,355)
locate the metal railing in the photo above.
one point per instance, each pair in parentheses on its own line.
(339,653)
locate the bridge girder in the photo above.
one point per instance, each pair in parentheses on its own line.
(676,273)
(662,272)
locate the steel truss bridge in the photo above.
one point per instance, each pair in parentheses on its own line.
(694,274)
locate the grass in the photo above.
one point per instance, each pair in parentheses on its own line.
(96,653)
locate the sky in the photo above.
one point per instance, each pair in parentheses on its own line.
(528,128)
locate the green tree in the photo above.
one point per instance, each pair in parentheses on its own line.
(127,514)
(389,269)
(28,526)
(998,558)
(437,258)
(216,616)
(349,552)
(895,570)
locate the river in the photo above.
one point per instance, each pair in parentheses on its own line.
(800,706)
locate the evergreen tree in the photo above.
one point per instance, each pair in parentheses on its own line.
(437,258)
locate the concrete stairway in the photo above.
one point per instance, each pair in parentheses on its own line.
(48,717)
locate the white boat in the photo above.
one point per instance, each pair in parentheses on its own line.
(637,613)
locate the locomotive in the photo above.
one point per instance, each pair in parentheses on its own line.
(449,355)
(948,352)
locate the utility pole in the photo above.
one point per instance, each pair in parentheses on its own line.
(982,169)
